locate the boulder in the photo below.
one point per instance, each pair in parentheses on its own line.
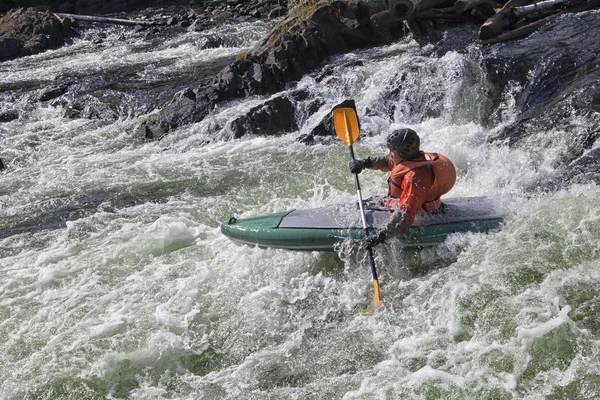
(296,45)
(25,32)
(8,115)
(52,92)
(274,117)
(558,70)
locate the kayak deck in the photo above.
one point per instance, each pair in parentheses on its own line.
(322,228)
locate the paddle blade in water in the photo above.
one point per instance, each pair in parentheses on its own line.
(345,121)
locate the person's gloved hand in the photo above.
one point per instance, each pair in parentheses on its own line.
(373,239)
(356,166)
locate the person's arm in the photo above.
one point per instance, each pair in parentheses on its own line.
(381,163)
(415,186)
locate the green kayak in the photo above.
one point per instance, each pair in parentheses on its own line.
(323,228)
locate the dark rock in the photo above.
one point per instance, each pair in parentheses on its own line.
(52,92)
(149,131)
(90,107)
(2,166)
(297,45)
(586,168)
(7,116)
(66,7)
(212,42)
(555,86)
(25,32)
(322,129)
(274,117)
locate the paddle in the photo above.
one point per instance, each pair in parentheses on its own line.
(347,128)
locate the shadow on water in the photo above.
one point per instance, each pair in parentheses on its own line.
(57,216)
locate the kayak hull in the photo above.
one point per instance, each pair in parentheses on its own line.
(321,229)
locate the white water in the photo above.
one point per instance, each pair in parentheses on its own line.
(140,296)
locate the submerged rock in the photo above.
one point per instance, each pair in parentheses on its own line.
(8,115)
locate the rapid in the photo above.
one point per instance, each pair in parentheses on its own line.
(115,281)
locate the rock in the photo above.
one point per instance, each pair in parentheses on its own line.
(7,116)
(2,166)
(554,86)
(52,92)
(25,32)
(297,45)
(67,7)
(211,42)
(274,117)
(322,129)
(90,107)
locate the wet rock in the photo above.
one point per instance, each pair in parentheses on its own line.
(557,69)
(297,45)
(149,131)
(322,129)
(52,92)
(25,32)
(90,107)
(211,42)
(586,168)
(9,115)
(274,117)
(66,7)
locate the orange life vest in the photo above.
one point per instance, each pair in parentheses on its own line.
(444,178)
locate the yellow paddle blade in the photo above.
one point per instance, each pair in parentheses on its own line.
(376,302)
(345,121)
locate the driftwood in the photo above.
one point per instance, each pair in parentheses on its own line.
(465,5)
(404,9)
(500,21)
(441,14)
(105,20)
(521,32)
(528,29)
(520,12)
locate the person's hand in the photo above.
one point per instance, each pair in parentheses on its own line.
(373,239)
(356,166)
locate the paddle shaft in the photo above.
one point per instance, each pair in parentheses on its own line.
(365,227)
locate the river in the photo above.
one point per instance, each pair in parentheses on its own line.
(115,281)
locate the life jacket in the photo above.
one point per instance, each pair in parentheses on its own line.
(444,178)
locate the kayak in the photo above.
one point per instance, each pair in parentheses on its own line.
(321,229)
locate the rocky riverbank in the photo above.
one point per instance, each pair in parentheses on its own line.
(562,55)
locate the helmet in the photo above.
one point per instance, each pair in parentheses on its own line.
(405,141)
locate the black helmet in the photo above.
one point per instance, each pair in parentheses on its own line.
(405,141)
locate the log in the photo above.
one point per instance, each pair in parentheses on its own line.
(465,5)
(499,21)
(521,32)
(402,10)
(441,15)
(105,20)
(520,12)
(530,28)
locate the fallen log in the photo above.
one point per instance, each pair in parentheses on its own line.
(548,5)
(528,29)
(465,5)
(404,9)
(521,32)
(500,21)
(105,20)
(446,14)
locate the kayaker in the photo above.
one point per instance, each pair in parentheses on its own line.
(417,181)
